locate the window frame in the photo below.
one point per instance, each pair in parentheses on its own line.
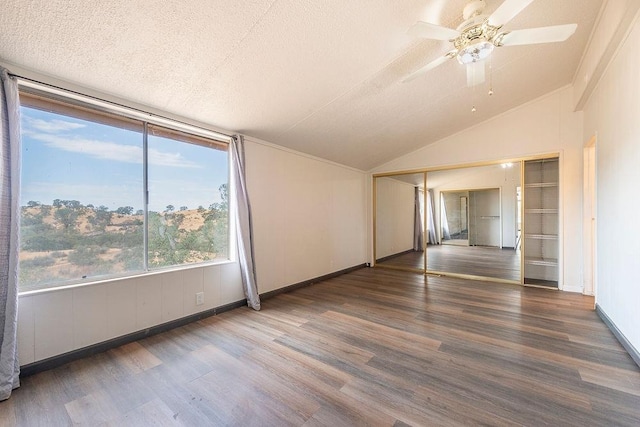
(90,108)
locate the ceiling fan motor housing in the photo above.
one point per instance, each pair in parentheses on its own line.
(476,40)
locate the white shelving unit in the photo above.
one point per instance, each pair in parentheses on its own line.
(541,222)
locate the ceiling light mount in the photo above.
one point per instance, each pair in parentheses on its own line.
(471,32)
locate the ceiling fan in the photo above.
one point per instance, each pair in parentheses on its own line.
(478,35)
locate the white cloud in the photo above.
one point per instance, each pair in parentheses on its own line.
(113,151)
(93,148)
(52,126)
(160,158)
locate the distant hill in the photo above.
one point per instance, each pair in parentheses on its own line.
(67,241)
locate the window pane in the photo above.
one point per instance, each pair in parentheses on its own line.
(81,194)
(188,199)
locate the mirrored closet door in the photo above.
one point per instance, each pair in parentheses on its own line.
(477,221)
(400,231)
(496,221)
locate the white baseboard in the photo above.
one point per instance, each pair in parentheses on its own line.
(633,352)
(577,289)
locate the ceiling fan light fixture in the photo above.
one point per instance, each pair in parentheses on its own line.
(475,52)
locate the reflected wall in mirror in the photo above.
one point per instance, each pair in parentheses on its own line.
(477,221)
(471,217)
(400,221)
(454,225)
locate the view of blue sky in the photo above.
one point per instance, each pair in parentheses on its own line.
(73,159)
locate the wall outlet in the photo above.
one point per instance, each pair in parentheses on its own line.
(199,298)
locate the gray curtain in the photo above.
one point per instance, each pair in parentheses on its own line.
(244,225)
(418,230)
(443,219)
(431,223)
(9,236)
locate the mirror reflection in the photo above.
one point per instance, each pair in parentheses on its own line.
(478,221)
(454,225)
(401,234)
(464,221)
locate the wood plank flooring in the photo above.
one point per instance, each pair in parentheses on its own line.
(470,260)
(372,347)
(475,260)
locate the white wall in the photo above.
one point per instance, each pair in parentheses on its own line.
(613,114)
(394,216)
(546,125)
(309,215)
(309,220)
(57,321)
(609,31)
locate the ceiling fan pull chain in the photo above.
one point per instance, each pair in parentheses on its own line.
(490,75)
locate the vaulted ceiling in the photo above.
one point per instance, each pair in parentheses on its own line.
(319,76)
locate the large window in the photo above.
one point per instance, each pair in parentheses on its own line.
(84,214)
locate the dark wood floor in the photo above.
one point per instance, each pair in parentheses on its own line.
(373,347)
(470,260)
(475,260)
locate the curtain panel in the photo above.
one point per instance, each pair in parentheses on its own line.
(9,232)
(418,230)
(244,224)
(431,223)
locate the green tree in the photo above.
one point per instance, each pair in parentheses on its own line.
(125,210)
(101,218)
(72,204)
(67,217)
(163,242)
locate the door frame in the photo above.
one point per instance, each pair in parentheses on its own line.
(589,220)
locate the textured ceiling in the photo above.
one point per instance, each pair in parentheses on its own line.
(319,76)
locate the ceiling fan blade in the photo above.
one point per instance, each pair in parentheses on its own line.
(507,11)
(431,31)
(557,33)
(430,66)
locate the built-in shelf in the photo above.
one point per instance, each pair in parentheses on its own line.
(541,236)
(541,211)
(541,184)
(545,262)
(541,208)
